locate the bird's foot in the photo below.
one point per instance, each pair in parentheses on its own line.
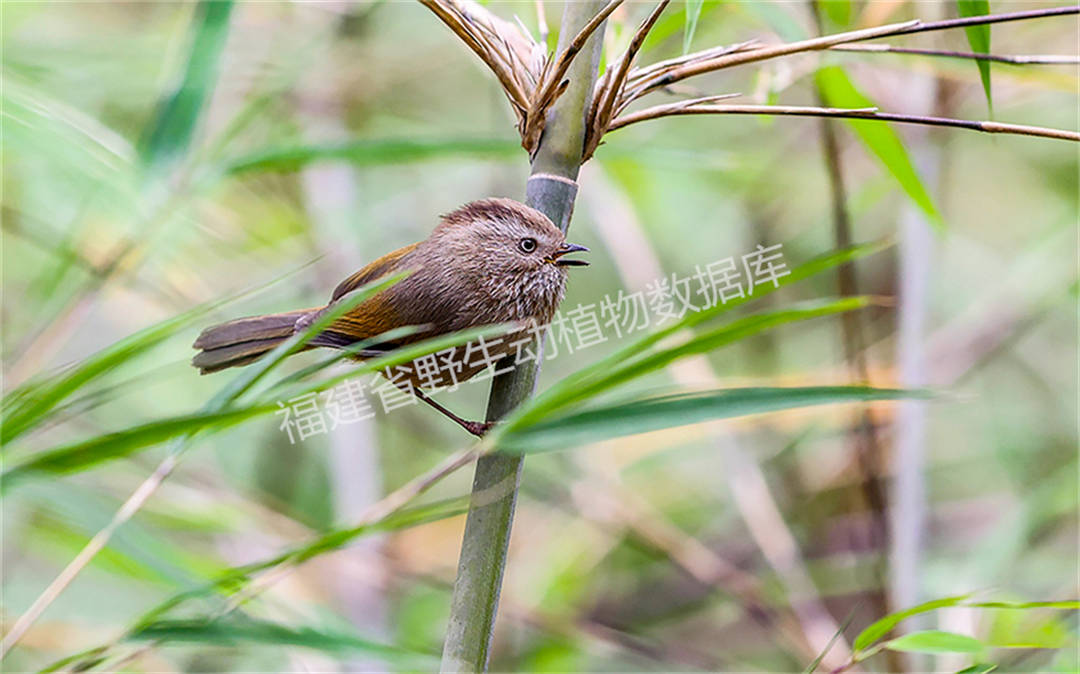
(477,428)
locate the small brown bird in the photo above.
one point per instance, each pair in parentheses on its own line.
(490,261)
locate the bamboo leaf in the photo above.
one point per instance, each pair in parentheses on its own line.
(32,402)
(559,395)
(662,412)
(214,415)
(812,667)
(83,660)
(169,135)
(979,39)
(99,449)
(1026,628)
(672,23)
(983,668)
(1066,604)
(351,351)
(249,376)
(838,11)
(883,626)
(398,356)
(35,401)
(236,578)
(693,13)
(218,414)
(404,519)
(710,341)
(778,17)
(935,641)
(377,152)
(879,137)
(234,630)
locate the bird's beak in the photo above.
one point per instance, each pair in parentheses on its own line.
(556,258)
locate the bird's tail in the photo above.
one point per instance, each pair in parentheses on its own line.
(243,340)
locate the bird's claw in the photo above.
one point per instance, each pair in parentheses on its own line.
(478,428)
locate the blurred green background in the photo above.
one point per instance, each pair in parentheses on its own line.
(158,156)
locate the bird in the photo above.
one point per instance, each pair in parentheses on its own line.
(490,261)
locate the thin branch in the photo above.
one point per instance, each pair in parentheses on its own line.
(645,72)
(89,551)
(765,53)
(828,41)
(1035,59)
(986,19)
(846,113)
(646,79)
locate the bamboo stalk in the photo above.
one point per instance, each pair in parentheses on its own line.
(551,189)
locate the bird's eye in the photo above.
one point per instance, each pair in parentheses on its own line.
(527,245)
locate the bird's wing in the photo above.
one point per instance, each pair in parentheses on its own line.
(384,265)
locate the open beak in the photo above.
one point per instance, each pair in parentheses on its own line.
(557,257)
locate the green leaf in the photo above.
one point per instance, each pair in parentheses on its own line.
(31,403)
(883,626)
(86,454)
(86,660)
(838,11)
(812,667)
(1026,628)
(693,13)
(661,412)
(250,375)
(398,356)
(979,39)
(217,415)
(778,17)
(710,341)
(350,351)
(38,399)
(671,23)
(214,415)
(935,641)
(983,668)
(233,630)
(879,137)
(563,392)
(238,577)
(368,152)
(335,540)
(169,135)
(1065,604)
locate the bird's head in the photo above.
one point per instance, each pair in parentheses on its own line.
(508,250)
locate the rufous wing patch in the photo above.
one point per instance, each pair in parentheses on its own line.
(384,265)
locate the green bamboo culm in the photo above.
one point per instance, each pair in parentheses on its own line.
(551,189)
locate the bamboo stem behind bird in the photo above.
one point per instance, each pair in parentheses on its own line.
(551,190)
